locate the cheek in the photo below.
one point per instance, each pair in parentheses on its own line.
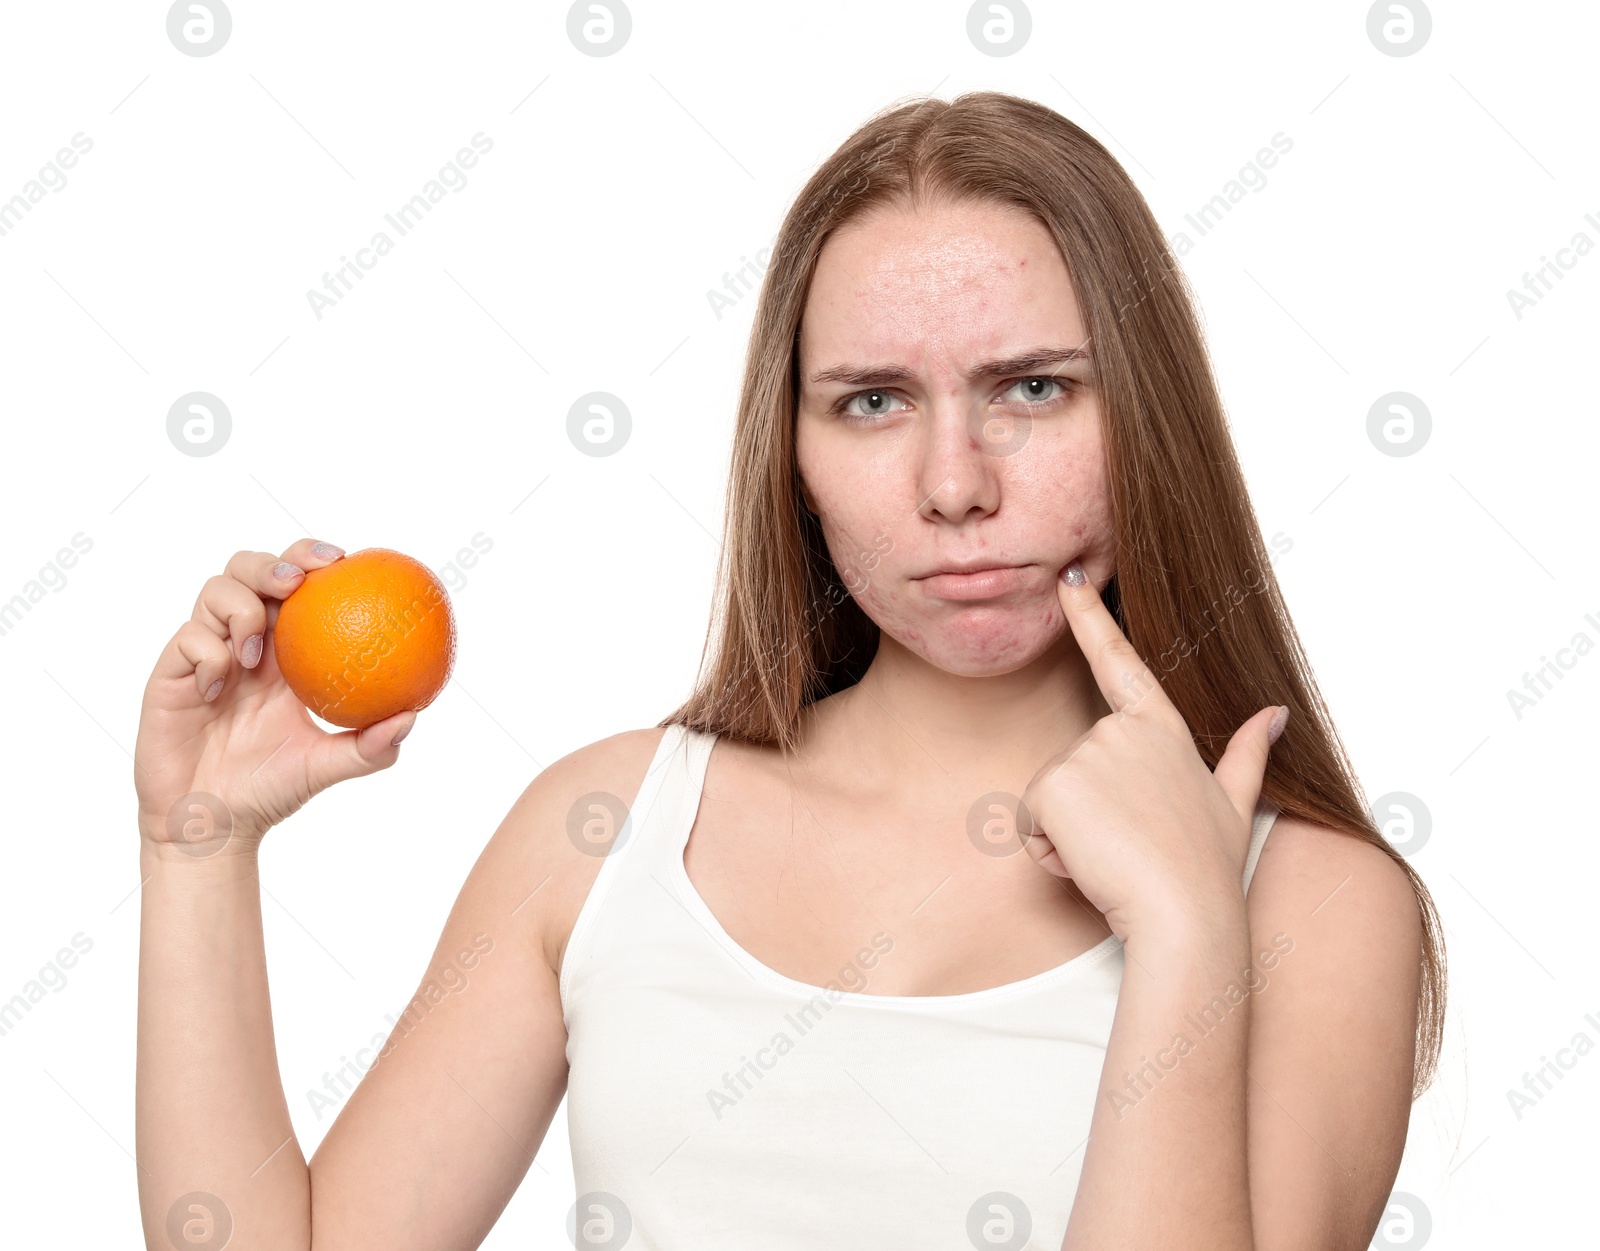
(875,591)
(1091,518)
(1066,494)
(863,546)
(860,525)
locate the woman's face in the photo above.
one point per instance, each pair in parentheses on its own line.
(945,422)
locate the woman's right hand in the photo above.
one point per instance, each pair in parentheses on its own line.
(220,771)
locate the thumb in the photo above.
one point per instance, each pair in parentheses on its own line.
(356,753)
(1244,763)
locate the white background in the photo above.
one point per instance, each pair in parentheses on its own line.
(429,406)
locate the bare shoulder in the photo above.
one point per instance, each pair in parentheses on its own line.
(506,1040)
(1329,880)
(558,866)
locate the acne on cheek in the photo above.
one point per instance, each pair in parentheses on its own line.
(1091,538)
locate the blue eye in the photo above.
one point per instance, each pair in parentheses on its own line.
(880,396)
(845,405)
(1055,382)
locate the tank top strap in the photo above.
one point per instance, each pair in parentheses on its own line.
(618,907)
(659,806)
(1266,814)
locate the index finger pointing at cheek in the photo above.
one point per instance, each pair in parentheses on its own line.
(1124,679)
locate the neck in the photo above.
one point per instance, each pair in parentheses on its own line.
(910,721)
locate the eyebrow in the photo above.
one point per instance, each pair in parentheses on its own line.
(1035,360)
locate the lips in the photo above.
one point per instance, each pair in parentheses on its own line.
(973,582)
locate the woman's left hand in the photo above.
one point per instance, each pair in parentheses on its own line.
(1150,835)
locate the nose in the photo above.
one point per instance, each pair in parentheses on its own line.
(957,474)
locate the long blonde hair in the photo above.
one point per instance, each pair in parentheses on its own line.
(1190,559)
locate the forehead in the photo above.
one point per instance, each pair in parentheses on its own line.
(952,282)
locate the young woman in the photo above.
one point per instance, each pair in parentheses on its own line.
(992,586)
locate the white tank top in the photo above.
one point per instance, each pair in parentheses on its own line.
(715,1103)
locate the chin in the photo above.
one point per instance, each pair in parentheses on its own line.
(985,643)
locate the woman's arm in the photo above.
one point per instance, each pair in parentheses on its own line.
(431,1145)
(1256,1089)
(1332,1037)
(433,1141)
(1257,1082)
(209,1108)
(1165,1163)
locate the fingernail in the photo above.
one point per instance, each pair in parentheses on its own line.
(326,551)
(250,652)
(1073,574)
(1279,720)
(286,571)
(395,741)
(211,691)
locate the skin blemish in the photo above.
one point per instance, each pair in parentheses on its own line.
(928,297)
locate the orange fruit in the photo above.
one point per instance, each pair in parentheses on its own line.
(366,637)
